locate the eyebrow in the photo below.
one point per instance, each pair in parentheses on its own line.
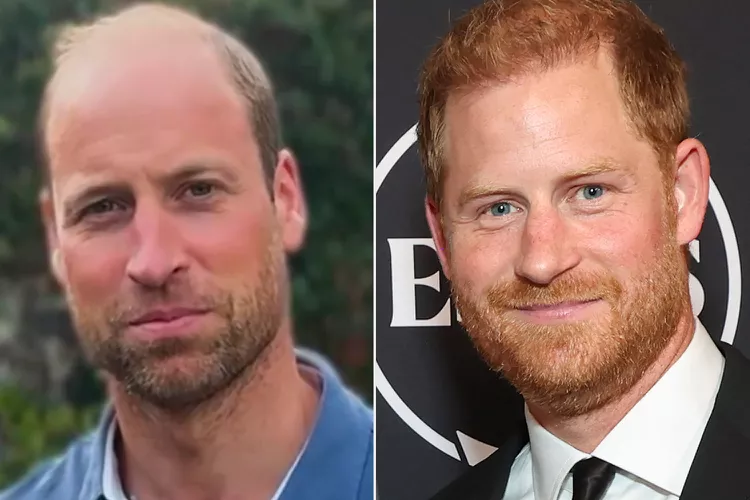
(602,166)
(195,169)
(124,190)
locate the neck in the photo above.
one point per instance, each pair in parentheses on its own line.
(585,432)
(239,446)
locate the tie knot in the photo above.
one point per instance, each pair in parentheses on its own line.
(591,478)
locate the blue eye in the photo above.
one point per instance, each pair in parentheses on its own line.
(500,209)
(592,192)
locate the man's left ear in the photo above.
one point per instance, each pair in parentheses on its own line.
(692,179)
(289,201)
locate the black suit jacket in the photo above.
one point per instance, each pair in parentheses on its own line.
(720,469)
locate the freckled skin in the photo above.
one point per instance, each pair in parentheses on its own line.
(549,198)
(525,137)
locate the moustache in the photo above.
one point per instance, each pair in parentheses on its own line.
(581,287)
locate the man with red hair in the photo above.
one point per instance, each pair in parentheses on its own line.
(563,190)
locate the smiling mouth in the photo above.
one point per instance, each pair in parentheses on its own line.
(557,305)
(570,310)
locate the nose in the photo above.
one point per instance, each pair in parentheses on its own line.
(159,253)
(548,248)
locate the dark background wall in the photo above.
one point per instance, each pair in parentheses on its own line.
(439,409)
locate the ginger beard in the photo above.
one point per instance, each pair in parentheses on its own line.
(575,367)
(179,373)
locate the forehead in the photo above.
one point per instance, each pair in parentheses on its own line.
(136,96)
(554,117)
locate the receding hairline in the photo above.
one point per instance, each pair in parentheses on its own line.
(157,21)
(528,36)
(593,56)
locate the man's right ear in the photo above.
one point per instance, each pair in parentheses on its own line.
(47,209)
(435,221)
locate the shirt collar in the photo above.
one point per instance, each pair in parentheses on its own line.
(657,439)
(551,459)
(91,488)
(340,449)
(111,483)
(337,415)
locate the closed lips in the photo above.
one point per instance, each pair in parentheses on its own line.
(166,315)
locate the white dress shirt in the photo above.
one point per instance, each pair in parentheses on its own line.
(653,446)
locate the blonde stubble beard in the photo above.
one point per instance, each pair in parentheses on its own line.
(251,320)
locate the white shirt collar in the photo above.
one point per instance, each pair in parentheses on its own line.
(657,439)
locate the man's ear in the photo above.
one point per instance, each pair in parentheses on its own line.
(47,209)
(289,201)
(691,187)
(435,221)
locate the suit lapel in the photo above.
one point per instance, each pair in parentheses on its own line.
(488,479)
(721,468)
(500,470)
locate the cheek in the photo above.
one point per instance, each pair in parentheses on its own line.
(233,244)
(482,259)
(623,245)
(94,269)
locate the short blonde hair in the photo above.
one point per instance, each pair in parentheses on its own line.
(501,39)
(242,66)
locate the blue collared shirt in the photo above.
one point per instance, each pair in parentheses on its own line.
(336,464)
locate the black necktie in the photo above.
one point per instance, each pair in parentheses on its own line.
(591,477)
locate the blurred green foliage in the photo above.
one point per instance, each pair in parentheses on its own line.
(32,430)
(319,54)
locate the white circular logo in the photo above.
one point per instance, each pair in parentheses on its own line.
(476,450)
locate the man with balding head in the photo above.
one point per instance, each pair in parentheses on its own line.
(170,206)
